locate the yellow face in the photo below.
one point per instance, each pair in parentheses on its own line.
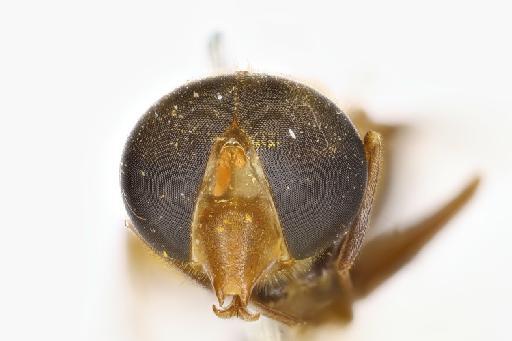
(236,234)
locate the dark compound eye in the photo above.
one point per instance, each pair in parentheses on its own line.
(312,156)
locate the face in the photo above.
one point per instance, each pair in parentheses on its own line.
(235,220)
(240,176)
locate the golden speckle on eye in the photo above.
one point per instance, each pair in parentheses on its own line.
(164,254)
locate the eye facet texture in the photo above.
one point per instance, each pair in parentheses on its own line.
(312,156)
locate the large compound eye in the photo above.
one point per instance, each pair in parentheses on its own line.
(311,154)
(164,162)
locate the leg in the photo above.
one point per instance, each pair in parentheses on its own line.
(386,254)
(277,315)
(354,239)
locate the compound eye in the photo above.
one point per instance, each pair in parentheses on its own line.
(164,162)
(313,159)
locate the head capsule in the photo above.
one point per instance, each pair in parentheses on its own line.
(241,173)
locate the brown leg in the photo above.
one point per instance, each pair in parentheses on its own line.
(354,239)
(383,256)
(355,236)
(277,315)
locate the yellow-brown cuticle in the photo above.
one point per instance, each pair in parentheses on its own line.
(230,157)
(236,232)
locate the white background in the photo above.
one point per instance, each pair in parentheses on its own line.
(75,77)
